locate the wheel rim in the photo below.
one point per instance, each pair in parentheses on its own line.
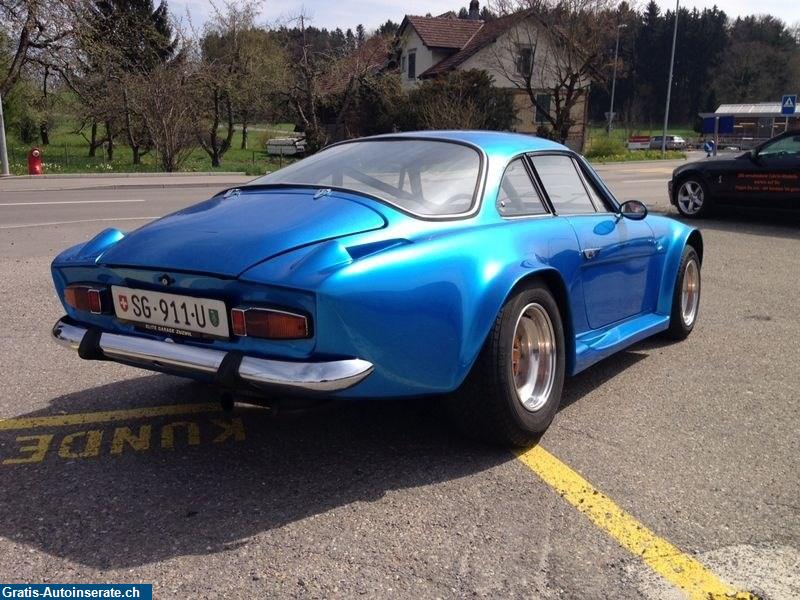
(690,292)
(690,197)
(533,362)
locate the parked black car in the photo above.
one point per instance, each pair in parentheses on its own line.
(766,176)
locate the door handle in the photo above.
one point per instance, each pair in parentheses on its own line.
(590,253)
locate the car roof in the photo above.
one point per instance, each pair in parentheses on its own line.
(491,142)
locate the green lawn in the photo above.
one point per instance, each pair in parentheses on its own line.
(596,130)
(604,147)
(68,153)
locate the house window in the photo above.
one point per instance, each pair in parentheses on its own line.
(524,60)
(542,109)
(412,65)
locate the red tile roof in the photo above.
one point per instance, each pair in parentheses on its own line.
(487,34)
(444,32)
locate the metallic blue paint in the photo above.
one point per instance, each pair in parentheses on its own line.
(229,233)
(414,297)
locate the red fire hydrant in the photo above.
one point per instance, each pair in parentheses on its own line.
(35,162)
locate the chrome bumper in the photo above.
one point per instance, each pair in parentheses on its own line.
(300,377)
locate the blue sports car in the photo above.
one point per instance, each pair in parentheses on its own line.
(480,266)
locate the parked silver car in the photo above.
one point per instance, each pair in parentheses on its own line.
(674,142)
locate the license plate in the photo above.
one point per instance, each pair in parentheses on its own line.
(171,313)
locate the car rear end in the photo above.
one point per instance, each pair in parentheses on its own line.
(175,296)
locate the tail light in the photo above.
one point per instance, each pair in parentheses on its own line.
(84,297)
(269,323)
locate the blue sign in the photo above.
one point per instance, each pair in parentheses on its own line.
(788,104)
(725,124)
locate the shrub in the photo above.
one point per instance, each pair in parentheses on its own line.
(459,100)
(605,146)
(28,129)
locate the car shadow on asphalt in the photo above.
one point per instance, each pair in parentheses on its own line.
(247,471)
(215,479)
(751,222)
(582,384)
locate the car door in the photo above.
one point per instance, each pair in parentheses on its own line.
(618,271)
(775,176)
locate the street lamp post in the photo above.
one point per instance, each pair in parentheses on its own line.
(669,82)
(614,79)
(3,150)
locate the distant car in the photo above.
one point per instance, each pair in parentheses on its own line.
(766,176)
(286,146)
(488,264)
(674,142)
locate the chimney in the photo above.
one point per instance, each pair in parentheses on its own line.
(474,10)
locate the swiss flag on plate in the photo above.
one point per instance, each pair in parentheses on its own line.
(123,302)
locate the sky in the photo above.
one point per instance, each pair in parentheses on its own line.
(371,13)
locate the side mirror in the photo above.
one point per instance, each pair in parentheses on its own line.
(754,155)
(633,209)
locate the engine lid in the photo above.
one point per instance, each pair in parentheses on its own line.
(230,233)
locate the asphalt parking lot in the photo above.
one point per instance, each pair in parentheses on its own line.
(670,471)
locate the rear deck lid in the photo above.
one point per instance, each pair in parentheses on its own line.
(228,234)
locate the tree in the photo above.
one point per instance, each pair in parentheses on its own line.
(388,28)
(242,68)
(159,99)
(487,14)
(303,94)
(342,87)
(120,40)
(459,100)
(760,62)
(558,49)
(36,31)
(263,71)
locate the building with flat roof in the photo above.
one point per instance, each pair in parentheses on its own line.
(750,123)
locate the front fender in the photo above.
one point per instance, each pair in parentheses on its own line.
(671,237)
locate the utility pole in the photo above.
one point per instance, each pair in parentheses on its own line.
(614,79)
(3,150)
(669,83)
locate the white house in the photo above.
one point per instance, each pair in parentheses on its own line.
(504,47)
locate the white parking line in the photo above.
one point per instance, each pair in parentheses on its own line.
(70,202)
(73,222)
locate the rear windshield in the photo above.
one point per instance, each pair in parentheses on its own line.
(429,178)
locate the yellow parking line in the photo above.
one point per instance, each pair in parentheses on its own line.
(108,416)
(680,569)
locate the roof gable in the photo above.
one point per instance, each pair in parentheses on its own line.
(486,35)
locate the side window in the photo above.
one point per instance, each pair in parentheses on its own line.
(594,194)
(563,185)
(412,65)
(517,196)
(785,147)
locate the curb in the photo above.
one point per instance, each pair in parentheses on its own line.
(125,175)
(133,186)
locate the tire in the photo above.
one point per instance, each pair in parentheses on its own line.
(488,405)
(686,296)
(692,199)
